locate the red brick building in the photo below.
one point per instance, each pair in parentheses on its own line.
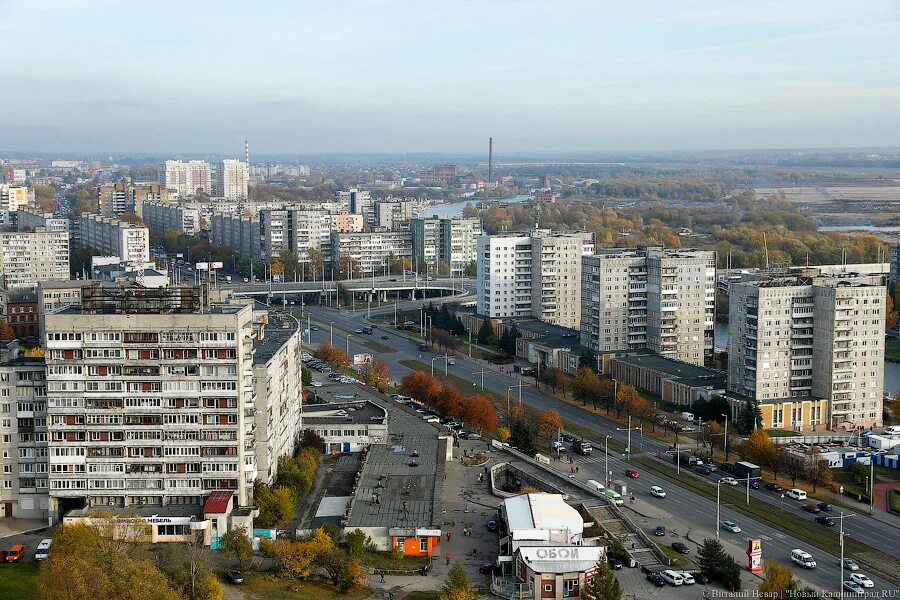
(22,313)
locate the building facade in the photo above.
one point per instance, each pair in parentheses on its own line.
(162,216)
(186,178)
(370,252)
(150,400)
(296,230)
(232,181)
(108,235)
(239,232)
(15,197)
(810,338)
(32,219)
(29,257)
(391,213)
(535,274)
(650,298)
(125,196)
(451,241)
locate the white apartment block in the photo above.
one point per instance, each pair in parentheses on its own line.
(277,392)
(452,241)
(30,218)
(232,181)
(187,178)
(110,236)
(390,213)
(23,437)
(295,230)
(162,216)
(819,337)
(150,400)
(649,298)
(370,251)
(29,257)
(535,274)
(15,197)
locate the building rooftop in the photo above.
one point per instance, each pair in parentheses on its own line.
(401,483)
(555,336)
(686,373)
(217,502)
(277,331)
(344,412)
(543,512)
(170,510)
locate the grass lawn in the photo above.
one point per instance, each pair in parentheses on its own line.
(261,586)
(892,350)
(19,581)
(678,559)
(782,433)
(386,561)
(870,558)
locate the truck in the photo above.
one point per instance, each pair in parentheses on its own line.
(582,447)
(746,469)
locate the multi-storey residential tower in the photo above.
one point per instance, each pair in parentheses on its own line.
(452,241)
(130,242)
(187,178)
(810,337)
(649,298)
(161,216)
(232,179)
(534,274)
(370,252)
(27,257)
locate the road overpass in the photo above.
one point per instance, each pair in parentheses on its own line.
(373,289)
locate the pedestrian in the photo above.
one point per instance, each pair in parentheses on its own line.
(382,577)
(448,536)
(632,545)
(390,595)
(447,558)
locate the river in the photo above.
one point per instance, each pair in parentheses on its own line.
(867,228)
(454,209)
(891,369)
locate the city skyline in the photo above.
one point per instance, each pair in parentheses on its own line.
(386,78)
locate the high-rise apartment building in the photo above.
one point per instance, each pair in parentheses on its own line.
(391,213)
(232,180)
(33,219)
(150,399)
(27,257)
(124,196)
(296,230)
(807,338)
(370,252)
(15,197)
(346,222)
(187,178)
(650,298)
(161,216)
(532,274)
(239,232)
(131,243)
(23,436)
(451,241)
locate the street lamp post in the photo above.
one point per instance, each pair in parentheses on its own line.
(348,345)
(606,454)
(841,542)
(432,364)
(629,429)
(725,441)
(446,365)
(718,498)
(482,377)
(331,335)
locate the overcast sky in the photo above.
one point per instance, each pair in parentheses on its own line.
(315,76)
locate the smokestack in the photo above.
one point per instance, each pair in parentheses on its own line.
(247,153)
(490,159)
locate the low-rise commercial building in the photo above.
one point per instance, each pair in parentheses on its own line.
(674,381)
(346,425)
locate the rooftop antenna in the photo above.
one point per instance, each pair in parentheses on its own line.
(766,246)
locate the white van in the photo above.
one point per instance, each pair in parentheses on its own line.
(795,494)
(43,549)
(803,558)
(687,416)
(672,578)
(892,430)
(596,485)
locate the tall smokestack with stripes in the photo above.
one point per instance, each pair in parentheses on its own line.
(247,153)
(490,159)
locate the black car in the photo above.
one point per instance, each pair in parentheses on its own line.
(615,564)
(826,521)
(656,579)
(681,547)
(385,337)
(492,525)
(824,506)
(568,438)
(774,487)
(235,577)
(754,484)
(699,577)
(486,568)
(660,530)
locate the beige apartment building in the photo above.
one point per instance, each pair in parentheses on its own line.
(27,257)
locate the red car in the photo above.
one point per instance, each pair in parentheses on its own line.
(811,508)
(631,473)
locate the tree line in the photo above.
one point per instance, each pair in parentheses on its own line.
(476,410)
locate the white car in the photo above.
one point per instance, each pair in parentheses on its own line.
(658,492)
(731,526)
(862,580)
(686,577)
(729,481)
(316,383)
(854,588)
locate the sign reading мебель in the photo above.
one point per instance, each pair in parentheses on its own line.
(754,556)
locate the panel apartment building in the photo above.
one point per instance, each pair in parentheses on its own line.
(532,274)
(31,219)
(187,178)
(650,299)
(129,242)
(370,251)
(452,241)
(124,196)
(27,257)
(152,401)
(162,216)
(795,340)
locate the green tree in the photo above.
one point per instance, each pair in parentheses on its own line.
(236,544)
(718,564)
(357,541)
(748,417)
(485,332)
(305,375)
(276,505)
(523,434)
(603,585)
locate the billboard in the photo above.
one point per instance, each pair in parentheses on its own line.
(215,265)
(202,266)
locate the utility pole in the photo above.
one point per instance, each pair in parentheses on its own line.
(841,542)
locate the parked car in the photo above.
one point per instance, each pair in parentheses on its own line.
(824,506)
(700,577)
(43,549)
(853,587)
(657,492)
(729,481)
(632,473)
(486,568)
(16,553)
(236,577)
(660,530)
(492,525)
(681,547)
(862,580)
(811,508)
(615,564)
(826,521)
(656,579)
(731,526)
(850,565)
(686,577)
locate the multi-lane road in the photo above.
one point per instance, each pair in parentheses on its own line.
(697,512)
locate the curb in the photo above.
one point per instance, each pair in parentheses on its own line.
(26,532)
